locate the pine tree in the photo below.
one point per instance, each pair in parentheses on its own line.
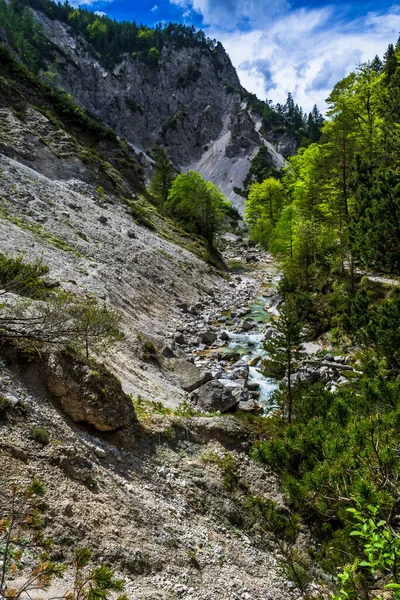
(285,348)
(163,175)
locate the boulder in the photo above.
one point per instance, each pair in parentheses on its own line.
(247,325)
(190,376)
(224,336)
(87,393)
(231,356)
(250,407)
(253,386)
(214,396)
(238,389)
(207,337)
(167,352)
(254,361)
(179,339)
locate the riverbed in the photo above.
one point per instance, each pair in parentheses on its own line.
(239,317)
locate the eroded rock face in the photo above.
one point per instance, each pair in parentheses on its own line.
(91,396)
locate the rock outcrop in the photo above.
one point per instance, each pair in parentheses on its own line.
(88,395)
(204,122)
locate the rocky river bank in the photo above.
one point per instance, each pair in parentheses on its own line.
(218,344)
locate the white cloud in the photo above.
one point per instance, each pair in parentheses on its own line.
(215,12)
(306,52)
(100,13)
(155,7)
(77,3)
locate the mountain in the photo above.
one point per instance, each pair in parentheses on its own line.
(187,99)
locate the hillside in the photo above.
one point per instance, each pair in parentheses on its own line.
(189,100)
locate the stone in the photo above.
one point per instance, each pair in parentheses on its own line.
(250,407)
(238,388)
(207,337)
(190,376)
(253,386)
(254,361)
(224,336)
(247,325)
(75,465)
(179,339)
(231,356)
(103,219)
(214,396)
(131,234)
(192,310)
(100,452)
(68,509)
(91,396)
(167,352)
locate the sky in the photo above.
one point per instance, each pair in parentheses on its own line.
(279,46)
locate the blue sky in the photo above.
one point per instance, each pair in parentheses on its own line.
(279,46)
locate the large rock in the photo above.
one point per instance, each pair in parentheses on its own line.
(238,389)
(207,337)
(214,396)
(189,376)
(88,395)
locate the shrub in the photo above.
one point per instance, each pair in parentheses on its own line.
(25,279)
(41,435)
(5,405)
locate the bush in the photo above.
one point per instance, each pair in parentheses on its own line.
(41,435)
(25,279)
(5,405)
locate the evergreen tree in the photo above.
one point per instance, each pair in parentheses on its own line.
(163,175)
(285,349)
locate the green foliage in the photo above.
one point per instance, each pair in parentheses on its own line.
(21,535)
(23,278)
(41,435)
(61,318)
(141,214)
(162,177)
(285,350)
(5,406)
(381,549)
(110,39)
(97,326)
(191,76)
(263,208)
(261,167)
(23,32)
(228,465)
(95,583)
(197,205)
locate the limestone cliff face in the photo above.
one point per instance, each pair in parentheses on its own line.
(190,102)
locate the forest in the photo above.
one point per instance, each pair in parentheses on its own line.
(332,221)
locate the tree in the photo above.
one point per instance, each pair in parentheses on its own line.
(21,534)
(285,348)
(197,205)
(95,583)
(163,175)
(96,325)
(35,314)
(263,208)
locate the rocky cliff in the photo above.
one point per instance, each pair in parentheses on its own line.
(190,101)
